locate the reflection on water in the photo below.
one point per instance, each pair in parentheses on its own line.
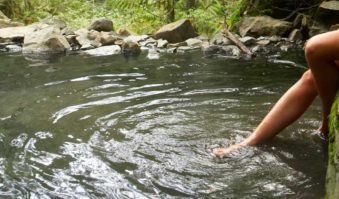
(110,127)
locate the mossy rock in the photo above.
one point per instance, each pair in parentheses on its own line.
(332,176)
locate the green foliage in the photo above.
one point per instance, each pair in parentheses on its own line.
(141,16)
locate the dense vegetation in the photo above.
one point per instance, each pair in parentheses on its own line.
(141,16)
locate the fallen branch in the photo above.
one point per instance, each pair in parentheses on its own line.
(232,37)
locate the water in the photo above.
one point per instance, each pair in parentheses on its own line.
(110,127)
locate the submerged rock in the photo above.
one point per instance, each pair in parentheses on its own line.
(130,48)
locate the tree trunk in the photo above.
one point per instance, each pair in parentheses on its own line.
(171,10)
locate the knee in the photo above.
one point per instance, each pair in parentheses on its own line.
(313,48)
(307,79)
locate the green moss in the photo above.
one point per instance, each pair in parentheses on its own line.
(333,127)
(332,168)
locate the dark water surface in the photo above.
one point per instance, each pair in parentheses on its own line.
(110,127)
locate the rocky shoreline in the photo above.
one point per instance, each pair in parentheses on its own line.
(260,35)
(53,36)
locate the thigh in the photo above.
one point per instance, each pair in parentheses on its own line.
(327,45)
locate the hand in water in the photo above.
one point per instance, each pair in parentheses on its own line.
(222,152)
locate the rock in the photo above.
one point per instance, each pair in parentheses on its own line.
(193,42)
(177,31)
(71,39)
(136,38)
(334,27)
(297,20)
(263,42)
(48,40)
(15,34)
(176,45)
(107,38)
(83,37)
(327,14)
(211,49)
(149,43)
(161,43)
(316,29)
(67,31)
(13,48)
(248,41)
(101,24)
(231,50)
(295,36)
(184,49)
(54,21)
(130,48)
(220,39)
(104,50)
(264,26)
(124,32)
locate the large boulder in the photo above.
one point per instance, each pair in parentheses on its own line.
(264,26)
(15,34)
(101,24)
(48,40)
(177,31)
(328,13)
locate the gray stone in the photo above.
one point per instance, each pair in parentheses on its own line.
(263,42)
(124,32)
(149,43)
(162,43)
(295,36)
(248,40)
(130,48)
(104,50)
(87,40)
(101,24)
(54,21)
(327,13)
(183,49)
(334,27)
(15,34)
(193,42)
(220,39)
(13,48)
(177,31)
(136,38)
(264,26)
(231,50)
(107,38)
(48,40)
(176,45)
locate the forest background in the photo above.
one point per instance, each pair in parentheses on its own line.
(139,16)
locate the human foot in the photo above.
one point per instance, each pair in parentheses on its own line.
(222,152)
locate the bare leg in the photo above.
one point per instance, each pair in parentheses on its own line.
(321,52)
(288,109)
